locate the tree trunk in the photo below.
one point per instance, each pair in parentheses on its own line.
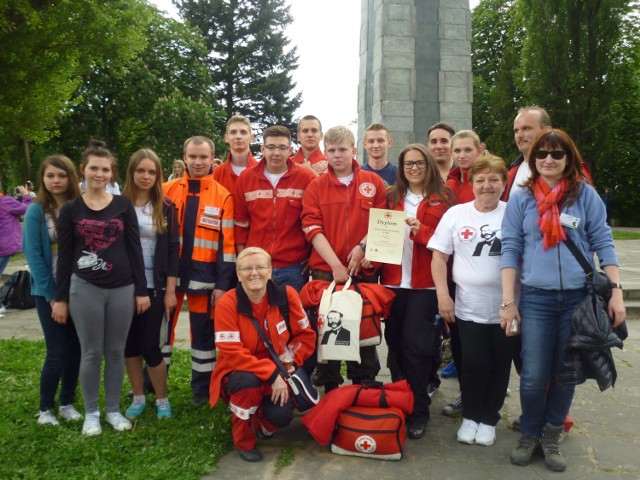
(26,160)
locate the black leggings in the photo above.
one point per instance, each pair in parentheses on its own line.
(144,333)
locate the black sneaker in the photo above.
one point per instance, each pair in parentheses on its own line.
(252,455)
(432,388)
(454,408)
(199,399)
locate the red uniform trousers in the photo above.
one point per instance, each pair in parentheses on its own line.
(253,411)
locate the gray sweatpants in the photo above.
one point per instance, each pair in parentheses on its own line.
(102,317)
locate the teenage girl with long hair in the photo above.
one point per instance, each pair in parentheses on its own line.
(58,183)
(158,224)
(100,282)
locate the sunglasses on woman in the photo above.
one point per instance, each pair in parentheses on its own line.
(555,154)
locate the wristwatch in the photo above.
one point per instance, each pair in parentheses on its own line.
(616,285)
(363,246)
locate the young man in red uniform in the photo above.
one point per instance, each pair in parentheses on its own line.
(246,374)
(207,254)
(238,136)
(268,207)
(335,218)
(309,154)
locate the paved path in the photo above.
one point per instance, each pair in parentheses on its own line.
(604,443)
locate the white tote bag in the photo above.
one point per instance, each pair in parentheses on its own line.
(339,316)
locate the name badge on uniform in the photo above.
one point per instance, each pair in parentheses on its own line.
(212,211)
(281,327)
(569,221)
(210,222)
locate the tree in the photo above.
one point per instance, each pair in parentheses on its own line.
(157,99)
(249,58)
(45,49)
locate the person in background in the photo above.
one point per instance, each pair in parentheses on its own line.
(178,170)
(100,281)
(158,224)
(58,184)
(465,148)
(10,212)
(555,203)
(30,188)
(439,145)
(471,233)
(310,155)
(410,330)
(238,136)
(377,142)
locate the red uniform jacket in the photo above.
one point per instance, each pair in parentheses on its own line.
(225,175)
(340,212)
(430,211)
(315,157)
(270,218)
(458,182)
(240,348)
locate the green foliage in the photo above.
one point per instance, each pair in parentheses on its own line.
(184,447)
(625,235)
(45,49)
(157,99)
(579,60)
(249,56)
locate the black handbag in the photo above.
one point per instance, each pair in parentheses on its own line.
(303,393)
(598,281)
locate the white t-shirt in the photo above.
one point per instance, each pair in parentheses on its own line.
(148,240)
(411,202)
(474,239)
(522,175)
(346,180)
(274,178)
(238,169)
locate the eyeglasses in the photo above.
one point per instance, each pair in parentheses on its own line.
(421,164)
(555,154)
(273,148)
(259,269)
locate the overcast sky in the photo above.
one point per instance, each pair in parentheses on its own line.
(327,37)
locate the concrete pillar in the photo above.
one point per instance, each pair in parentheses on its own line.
(415,67)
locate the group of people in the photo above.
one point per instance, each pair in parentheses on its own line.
(112,267)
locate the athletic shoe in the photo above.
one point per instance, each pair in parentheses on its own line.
(454,408)
(199,398)
(91,426)
(47,418)
(467,431)
(486,435)
(117,421)
(2,309)
(69,413)
(432,388)
(553,458)
(135,410)
(163,410)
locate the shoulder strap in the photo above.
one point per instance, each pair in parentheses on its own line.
(584,263)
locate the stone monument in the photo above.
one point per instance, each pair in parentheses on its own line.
(415,67)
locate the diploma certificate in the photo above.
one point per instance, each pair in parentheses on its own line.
(385,238)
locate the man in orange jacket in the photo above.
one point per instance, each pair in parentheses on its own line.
(268,207)
(207,254)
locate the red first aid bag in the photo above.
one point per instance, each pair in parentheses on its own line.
(373,432)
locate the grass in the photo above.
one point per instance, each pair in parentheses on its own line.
(625,235)
(284,459)
(187,446)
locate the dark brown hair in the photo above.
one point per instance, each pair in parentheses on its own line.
(98,148)
(44,196)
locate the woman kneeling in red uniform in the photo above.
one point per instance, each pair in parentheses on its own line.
(245,374)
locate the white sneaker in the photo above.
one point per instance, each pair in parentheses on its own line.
(467,431)
(69,413)
(486,435)
(2,309)
(91,426)
(47,418)
(118,421)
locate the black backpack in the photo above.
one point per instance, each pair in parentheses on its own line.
(16,292)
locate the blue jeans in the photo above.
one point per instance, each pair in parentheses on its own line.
(290,275)
(62,363)
(4,261)
(546,326)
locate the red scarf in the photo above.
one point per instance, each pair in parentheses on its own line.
(547,201)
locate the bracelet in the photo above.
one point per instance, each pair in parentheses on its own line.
(616,285)
(505,305)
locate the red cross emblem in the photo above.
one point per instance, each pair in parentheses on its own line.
(387,215)
(367,189)
(365,444)
(467,234)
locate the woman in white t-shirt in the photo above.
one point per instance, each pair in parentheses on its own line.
(471,232)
